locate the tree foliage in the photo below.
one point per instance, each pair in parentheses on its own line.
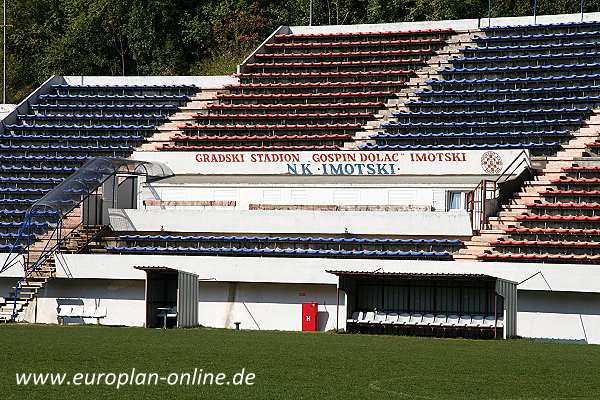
(179,37)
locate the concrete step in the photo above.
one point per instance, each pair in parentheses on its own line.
(465,257)
(501,219)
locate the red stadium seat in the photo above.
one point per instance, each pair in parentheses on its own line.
(270,127)
(356,34)
(306,85)
(345,53)
(565,205)
(260,137)
(327,64)
(283,115)
(355,43)
(248,148)
(303,95)
(370,104)
(324,74)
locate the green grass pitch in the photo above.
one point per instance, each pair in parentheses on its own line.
(298,366)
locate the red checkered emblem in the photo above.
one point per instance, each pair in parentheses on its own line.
(491,162)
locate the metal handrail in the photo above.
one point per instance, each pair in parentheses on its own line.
(523,157)
(79,192)
(46,251)
(482,188)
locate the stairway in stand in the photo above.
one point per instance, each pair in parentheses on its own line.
(75,238)
(546,199)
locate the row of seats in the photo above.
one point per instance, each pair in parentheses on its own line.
(426,319)
(69,125)
(324,85)
(292,239)
(539,78)
(282,245)
(229,251)
(560,227)
(77,311)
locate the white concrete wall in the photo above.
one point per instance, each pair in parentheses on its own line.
(324,194)
(14,265)
(278,306)
(124,300)
(308,222)
(559,315)
(534,276)
(203,82)
(261,306)
(266,306)
(459,163)
(459,25)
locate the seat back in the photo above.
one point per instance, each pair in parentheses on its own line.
(404,318)
(64,311)
(380,316)
(440,319)
(464,320)
(452,319)
(416,318)
(88,311)
(490,320)
(76,311)
(500,322)
(428,319)
(391,318)
(100,312)
(355,315)
(368,316)
(477,320)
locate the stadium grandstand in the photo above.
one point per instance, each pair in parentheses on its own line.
(433,178)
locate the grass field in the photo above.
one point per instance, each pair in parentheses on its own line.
(298,366)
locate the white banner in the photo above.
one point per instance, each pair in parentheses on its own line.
(374,163)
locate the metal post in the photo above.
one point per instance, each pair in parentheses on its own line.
(310,14)
(337,309)
(489,12)
(581,6)
(534,12)
(495,314)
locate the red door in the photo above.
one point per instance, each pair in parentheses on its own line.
(309,317)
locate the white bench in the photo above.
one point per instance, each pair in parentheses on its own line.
(70,311)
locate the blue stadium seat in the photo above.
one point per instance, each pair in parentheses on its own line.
(480,146)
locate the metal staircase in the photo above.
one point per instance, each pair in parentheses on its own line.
(76,223)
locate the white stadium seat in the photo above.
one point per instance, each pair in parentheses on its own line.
(88,312)
(489,321)
(440,320)
(415,319)
(403,319)
(452,320)
(427,320)
(391,318)
(367,317)
(100,312)
(476,321)
(64,312)
(354,317)
(464,320)
(379,317)
(500,322)
(76,312)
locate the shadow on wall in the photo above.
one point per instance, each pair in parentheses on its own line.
(69,302)
(322,319)
(559,302)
